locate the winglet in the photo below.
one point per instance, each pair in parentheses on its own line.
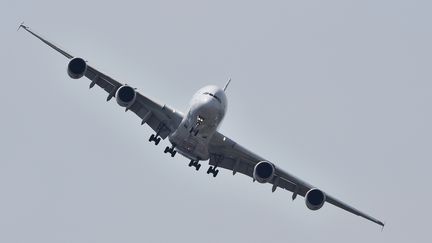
(22,26)
(382,229)
(226,85)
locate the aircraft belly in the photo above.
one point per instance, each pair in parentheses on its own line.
(192,147)
(192,136)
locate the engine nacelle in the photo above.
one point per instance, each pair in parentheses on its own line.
(264,172)
(315,199)
(125,96)
(77,68)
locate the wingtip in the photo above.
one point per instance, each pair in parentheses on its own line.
(22,26)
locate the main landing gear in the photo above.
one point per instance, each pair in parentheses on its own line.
(170,150)
(195,163)
(155,138)
(213,170)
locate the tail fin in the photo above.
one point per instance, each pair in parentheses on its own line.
(226,85)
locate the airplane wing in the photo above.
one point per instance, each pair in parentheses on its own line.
(161,118)
(226,153)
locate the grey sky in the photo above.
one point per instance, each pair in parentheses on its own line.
(336,92)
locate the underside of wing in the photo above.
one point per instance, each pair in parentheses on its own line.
(161,118)
(226,153)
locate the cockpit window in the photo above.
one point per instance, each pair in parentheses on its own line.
(214,96)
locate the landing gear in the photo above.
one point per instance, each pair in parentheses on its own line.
(170,150)
(213,170)
(195,163)
(195,129)
(155,138)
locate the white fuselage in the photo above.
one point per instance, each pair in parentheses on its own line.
(206,111)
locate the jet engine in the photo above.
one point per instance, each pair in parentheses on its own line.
(125,96)
(315,199)
(264,172)
(77,68)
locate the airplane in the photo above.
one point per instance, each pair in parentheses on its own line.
(195,134)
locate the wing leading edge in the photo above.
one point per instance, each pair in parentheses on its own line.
(161,118)
(226,153)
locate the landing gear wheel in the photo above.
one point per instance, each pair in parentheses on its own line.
(195,163)
(170,150)
(213,170)
(155,138)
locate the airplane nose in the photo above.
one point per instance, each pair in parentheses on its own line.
(208,108)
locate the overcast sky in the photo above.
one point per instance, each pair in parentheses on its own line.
(335,92)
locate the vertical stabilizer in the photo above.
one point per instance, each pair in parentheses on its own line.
(226,85)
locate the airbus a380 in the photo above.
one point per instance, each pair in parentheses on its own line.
(194,134)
